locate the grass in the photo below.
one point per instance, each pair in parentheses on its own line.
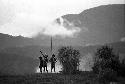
(50,78)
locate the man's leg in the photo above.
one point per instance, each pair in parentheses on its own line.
(51,67)
(41,69)
(44,68)
(54,67)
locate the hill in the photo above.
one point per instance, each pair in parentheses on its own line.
(13,41)
(103,24)
(99,25)
(14,64)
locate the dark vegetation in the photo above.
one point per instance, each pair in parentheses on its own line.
(69,58)
(107,65)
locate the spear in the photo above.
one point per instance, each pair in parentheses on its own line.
(51,45)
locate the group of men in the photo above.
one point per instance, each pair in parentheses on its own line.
(44,60)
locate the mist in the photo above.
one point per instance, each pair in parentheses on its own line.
(29,18)
(86,62)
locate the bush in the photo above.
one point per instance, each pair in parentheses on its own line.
(106,63)
(69,58)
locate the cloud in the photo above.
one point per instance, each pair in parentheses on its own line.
(32,27)
(30,17)
(60,29)
(6,13)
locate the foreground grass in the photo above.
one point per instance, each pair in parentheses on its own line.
(50,78)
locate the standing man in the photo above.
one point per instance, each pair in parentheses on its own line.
(41,63)
(53,61)
(45,62)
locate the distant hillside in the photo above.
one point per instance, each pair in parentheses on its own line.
(11,41)
(28,51)
(118,48)
(104,24)
(33,51)
(17,64)
(8,41)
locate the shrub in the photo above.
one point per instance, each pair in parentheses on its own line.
(106,63)
(69,58)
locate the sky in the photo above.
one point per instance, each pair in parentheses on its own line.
(29,18)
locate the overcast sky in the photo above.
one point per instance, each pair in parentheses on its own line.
(30,17)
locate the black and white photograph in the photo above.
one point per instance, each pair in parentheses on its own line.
(62,41)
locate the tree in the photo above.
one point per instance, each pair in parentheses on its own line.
(106,63)
(69,58)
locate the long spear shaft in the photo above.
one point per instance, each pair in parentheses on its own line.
(51,45)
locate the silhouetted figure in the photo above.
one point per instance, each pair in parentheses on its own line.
(45,61)
(41,63)
(53,61)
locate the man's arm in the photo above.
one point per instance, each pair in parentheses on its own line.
(42,53)
(55,60)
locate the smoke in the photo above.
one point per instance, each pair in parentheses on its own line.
(86,62)
(30,18)
(61,29)
(20,27)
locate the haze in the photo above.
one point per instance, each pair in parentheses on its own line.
(31,17)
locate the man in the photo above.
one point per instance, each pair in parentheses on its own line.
(41,63)
(53,61)
(45,62)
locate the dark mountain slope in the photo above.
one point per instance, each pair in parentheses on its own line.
(17,64)
(104,23)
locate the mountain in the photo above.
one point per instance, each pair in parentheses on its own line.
(11,41)
(103,24)
(32,51)
(8,41)
(99,25)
